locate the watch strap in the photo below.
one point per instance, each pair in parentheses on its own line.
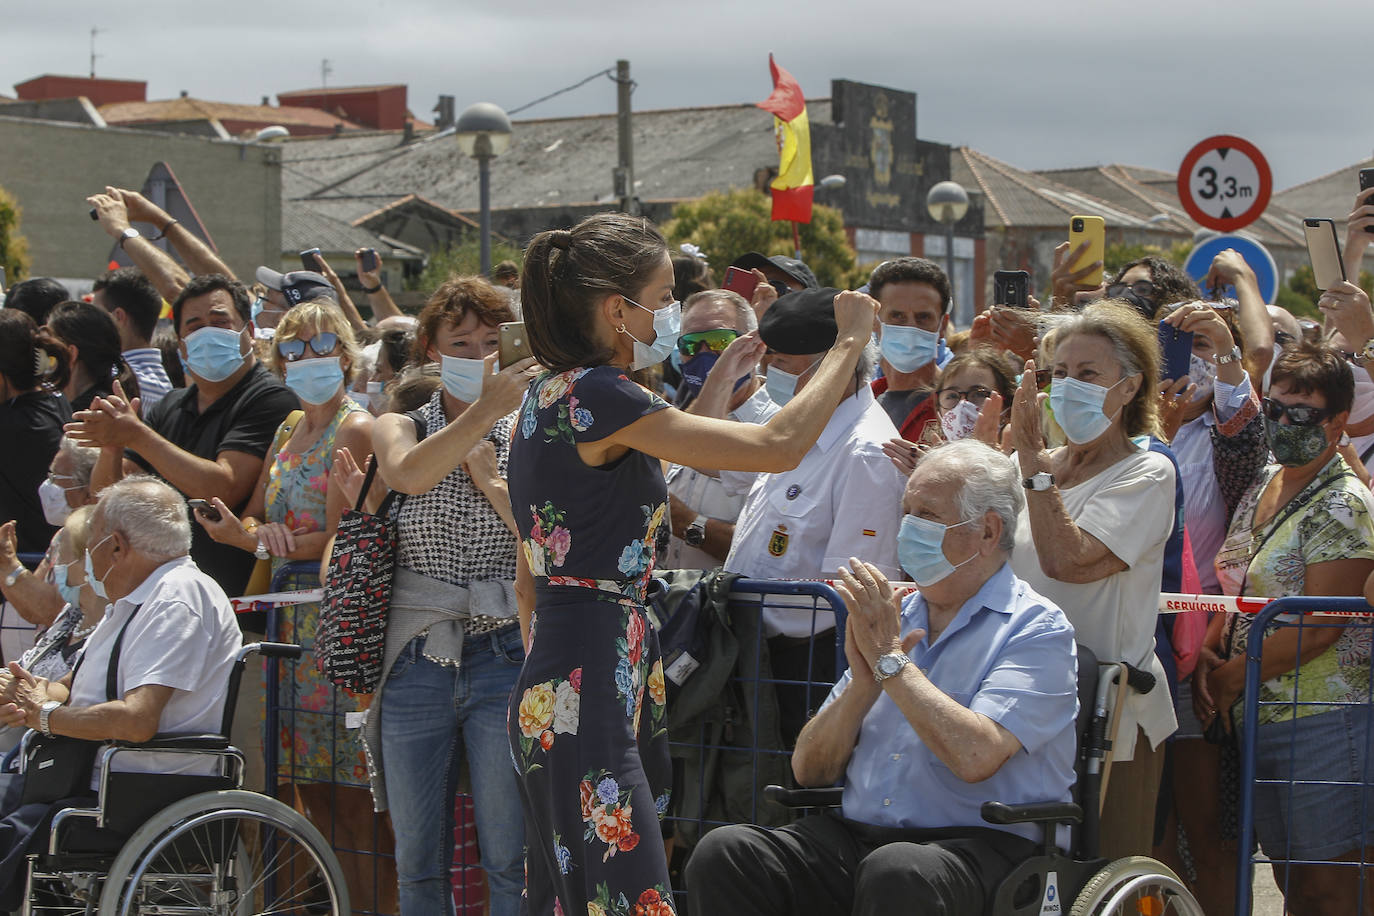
(1039,482)
(45,715)
(1227,358)
(13,577)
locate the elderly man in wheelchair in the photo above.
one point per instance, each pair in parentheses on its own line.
(964,692)
(140,723)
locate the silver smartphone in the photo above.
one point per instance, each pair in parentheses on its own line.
(1324,251)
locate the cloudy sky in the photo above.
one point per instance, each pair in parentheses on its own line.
(1039,85)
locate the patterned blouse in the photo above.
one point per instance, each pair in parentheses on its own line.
(452,533)
(1336,523)
(298,482)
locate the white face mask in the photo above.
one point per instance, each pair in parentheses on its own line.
(54,501)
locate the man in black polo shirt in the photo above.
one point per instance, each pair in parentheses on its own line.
(210,438)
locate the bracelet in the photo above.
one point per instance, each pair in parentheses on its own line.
(162,233)
(249,525)
(371,289)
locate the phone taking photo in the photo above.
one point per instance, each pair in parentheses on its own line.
(1176,348)
(1093,230)
(1324,252)
(308,261)
(205,508)
(1367,182)
(513,345)
(369,259)
(740,281)
(1011,288)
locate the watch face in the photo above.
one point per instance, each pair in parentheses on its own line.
(889,664)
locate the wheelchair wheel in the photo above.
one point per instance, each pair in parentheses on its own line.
(229,853)
(1135,886)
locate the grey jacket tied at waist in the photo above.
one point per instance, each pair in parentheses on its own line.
(420,604)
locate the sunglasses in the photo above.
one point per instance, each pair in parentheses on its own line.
(950,397)
(322,344)
(1142,288)
(1298,414)
(715,340)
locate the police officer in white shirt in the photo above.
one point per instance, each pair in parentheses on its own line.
(842,501)
(704,502)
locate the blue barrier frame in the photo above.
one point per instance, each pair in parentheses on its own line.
(1303,606)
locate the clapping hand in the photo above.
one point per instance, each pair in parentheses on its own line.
(873,628)
(110,422)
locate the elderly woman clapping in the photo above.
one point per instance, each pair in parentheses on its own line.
(1099,511)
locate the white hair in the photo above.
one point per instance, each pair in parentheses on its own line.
(150,514)
(991,483)
(745,319)
(83,459)
(868,362)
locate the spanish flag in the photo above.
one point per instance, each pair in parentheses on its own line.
(794,184)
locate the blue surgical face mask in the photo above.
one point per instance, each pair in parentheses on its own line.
(1077,407)
(462,377)
(70,593)
(781,386)
(97,585)
(921,549)
(667,328)
(908,349)
(315,381)
(694,372)
(214,354)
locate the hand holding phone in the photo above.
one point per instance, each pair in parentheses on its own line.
(1093,230)
(1176,348)
(308,261)
(740,281)
(205,508)
(1011,288)
(1324,252)
(513,345)
(1366,183)
(367,259)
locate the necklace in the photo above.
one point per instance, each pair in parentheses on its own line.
(81,633)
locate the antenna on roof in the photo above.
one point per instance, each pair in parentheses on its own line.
(325,69)
(94,32)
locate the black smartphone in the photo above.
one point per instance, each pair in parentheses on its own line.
(1367,182)
(204,508)
(1176,348)
(1011,288)
(308,261)
(369,259)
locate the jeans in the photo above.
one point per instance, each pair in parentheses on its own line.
(430,714)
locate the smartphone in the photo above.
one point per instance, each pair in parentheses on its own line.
(1367,182)
(514,345)
(204,508)
(1324,251)
(740,281)
(308,261)
(1093,230)
(1011,288)
(369,259)
(1176,350)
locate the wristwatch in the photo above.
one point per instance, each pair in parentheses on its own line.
(130,233)
(1226,359)
(1039,482)
(44,713)
(695,535)
(14,576)
(1366,354)
(889,664)
(262,553)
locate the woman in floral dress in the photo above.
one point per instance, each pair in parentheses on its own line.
(587,718)
(1305,527)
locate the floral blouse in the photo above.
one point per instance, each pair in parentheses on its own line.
(595,527)
(1336,523)
(298,482)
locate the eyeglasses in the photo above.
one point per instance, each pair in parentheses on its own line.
(715,340)
(56,480)
(976,395)
(1298,414)
(322,344)
(1142,288)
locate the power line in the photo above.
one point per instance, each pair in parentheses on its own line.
(607,72)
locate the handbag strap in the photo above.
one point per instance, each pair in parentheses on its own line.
(112,670)
(367,482)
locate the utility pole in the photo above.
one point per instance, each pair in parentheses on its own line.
(325,70)
(94,32)
(625,171)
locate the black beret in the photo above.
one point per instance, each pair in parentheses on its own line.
(802,322)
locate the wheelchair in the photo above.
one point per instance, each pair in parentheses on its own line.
(160,844)
(1091,885)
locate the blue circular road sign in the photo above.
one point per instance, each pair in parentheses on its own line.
(1255,254)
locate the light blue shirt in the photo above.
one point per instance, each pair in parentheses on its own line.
(1008,654)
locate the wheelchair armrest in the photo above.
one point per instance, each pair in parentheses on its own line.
(820,797)
(168,742)
(1033,813)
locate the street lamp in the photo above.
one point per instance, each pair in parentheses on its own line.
(947,202)
(483,132)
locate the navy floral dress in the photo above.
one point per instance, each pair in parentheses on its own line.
(586,722)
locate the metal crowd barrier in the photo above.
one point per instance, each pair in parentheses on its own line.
(724,755)
(1301,611)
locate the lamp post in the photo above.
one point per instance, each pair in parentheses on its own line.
(483,132)
(947,202)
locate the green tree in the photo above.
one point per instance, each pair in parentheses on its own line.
(1119,254)
(726,225)
(463,259)
(14,248)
